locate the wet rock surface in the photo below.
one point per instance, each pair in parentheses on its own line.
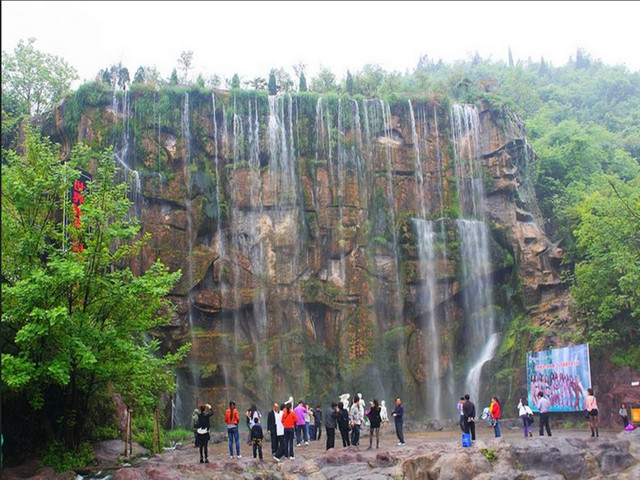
(568,455)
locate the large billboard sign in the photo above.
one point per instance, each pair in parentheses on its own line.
(562,374)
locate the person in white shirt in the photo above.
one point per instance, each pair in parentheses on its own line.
(526,414)
(544,405)
(356,421)
(591,405)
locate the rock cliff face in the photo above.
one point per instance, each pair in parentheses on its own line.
(321,240)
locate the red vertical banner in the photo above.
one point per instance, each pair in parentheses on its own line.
(78,193)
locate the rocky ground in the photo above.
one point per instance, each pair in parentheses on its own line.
(568,455)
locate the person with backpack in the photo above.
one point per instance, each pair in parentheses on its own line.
(194,425)
(494,408)
(203,431)
(251,415)
(526,414)
(256,438)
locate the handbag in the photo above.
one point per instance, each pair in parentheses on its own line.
(466,439)
(586,413)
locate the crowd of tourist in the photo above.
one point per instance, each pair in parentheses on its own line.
(290,427)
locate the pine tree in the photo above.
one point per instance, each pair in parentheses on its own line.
(235,81)
(303,83)
(350,87)
(174,78)
(273,88)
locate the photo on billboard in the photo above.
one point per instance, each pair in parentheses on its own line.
(562,374)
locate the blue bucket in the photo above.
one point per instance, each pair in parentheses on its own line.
(466,439)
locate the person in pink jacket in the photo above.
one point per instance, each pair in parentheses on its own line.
(300,412)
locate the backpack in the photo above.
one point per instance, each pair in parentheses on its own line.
(195,420)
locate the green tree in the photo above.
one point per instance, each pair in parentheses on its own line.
(173,80)
(123,78)
(607,279)
(213,81)
(38,79)
(350,86)
(258,83)
(369,80)
(139,77)
(185,61)
(324,82)
(303,83)
(273,87)
(300,69)
(75,319)
(235,81)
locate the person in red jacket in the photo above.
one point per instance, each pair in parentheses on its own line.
(494,408)
(289,420)
(231,418)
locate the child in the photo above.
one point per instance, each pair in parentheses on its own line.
(623,413)
(256,437)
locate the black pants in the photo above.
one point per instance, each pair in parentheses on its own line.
(544,423)
(331,438)
(374,431)
(274,442)
(462,423)
(257,448)
(318,430)
(399,431)
(344,433)
(203,443)
(470,427)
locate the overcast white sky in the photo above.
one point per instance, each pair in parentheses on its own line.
(250,38)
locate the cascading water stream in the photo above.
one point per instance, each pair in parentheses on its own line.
(185,130)
(481,336)
(121,153)
(426,250)
(427,257)
(445,254)
(391,204)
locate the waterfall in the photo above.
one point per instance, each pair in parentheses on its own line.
(121,152)
(185,130)
(222,249)
(427,258)
(418,163)
(443,238)
(426,249)
(481,337)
